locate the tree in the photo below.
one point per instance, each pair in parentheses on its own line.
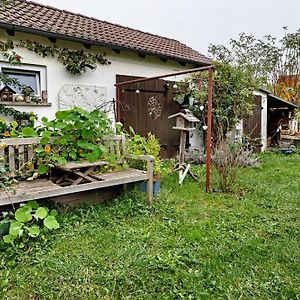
(233,89)
(276,63)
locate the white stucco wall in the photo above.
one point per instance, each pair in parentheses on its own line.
(56,75)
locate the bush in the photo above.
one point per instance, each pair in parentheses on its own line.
(227,158)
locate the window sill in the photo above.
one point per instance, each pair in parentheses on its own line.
(25,104)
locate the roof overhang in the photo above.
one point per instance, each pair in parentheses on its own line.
(278,103)
(48,34)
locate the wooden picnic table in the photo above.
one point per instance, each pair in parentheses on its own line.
(80,170)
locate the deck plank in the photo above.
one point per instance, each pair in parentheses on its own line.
(39,189)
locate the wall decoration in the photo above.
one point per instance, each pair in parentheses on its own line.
(154,107)
(6,94)
(87,97)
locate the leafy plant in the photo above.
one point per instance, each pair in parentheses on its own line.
(29,221)
(75,61)
(227,158)
(139,145)
(233,90)
(75,134)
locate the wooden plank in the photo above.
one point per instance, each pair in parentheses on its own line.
(82,164)
(21,156)
(150,166)
(28,193)
(123,141)
(290,137)
(19,141)
(84,175)
(118,150)
(2,156)
(30,152)
(11,158)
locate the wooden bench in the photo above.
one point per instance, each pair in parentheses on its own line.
(16,153)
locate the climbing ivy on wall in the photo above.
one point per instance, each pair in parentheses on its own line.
(76,61)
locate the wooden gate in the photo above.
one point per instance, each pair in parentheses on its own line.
(252,125)
(145,106)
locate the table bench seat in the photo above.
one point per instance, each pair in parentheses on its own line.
(17,151)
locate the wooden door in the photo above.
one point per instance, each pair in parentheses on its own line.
(148,111)
(252,125)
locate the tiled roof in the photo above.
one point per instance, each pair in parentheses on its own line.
(28,16)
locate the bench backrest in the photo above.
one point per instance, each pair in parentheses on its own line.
(15,153)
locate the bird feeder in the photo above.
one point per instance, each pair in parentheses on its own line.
(6,94)
(185,122)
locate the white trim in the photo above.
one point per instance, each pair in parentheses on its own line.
(38,70)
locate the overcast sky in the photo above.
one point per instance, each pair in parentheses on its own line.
(196,23)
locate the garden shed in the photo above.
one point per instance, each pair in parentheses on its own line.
(270,114)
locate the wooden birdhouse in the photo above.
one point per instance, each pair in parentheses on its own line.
(185,120)
(6,94)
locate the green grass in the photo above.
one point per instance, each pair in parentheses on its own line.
(189,245)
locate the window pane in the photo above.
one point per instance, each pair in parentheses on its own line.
(26,79)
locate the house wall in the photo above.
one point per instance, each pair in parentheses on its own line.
(56,76)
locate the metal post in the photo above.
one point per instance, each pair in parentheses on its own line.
(209,123)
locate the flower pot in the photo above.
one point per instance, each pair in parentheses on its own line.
(156,186)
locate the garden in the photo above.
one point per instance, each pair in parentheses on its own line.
(188,245)
(239,241)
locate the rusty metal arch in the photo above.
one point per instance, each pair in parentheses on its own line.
(210,70)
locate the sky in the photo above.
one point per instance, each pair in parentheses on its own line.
(196,23)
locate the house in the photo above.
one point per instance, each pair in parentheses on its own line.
(73,60)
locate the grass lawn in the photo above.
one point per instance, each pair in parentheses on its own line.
(189,245)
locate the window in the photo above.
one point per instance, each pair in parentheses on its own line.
(31,75)
(25,77)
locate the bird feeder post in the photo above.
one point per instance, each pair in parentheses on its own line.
(185,122)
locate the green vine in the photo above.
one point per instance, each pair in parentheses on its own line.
(75,61)
(21,119)
(17,115)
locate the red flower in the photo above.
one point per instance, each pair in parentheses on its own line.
(18,57)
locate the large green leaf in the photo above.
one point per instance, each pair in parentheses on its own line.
(23,214)
(62,114)
(9,238)
(93,156)
(51,223)
(28,131)
(43,169)
(16,228)
(33,231)
(41,213)
(33,204)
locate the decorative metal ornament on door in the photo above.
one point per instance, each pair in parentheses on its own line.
(154,107)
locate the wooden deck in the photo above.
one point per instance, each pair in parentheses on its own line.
(42,188)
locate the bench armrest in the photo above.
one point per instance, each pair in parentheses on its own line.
(150,165)
(149,158)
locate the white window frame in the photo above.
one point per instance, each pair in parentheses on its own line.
(37,70)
